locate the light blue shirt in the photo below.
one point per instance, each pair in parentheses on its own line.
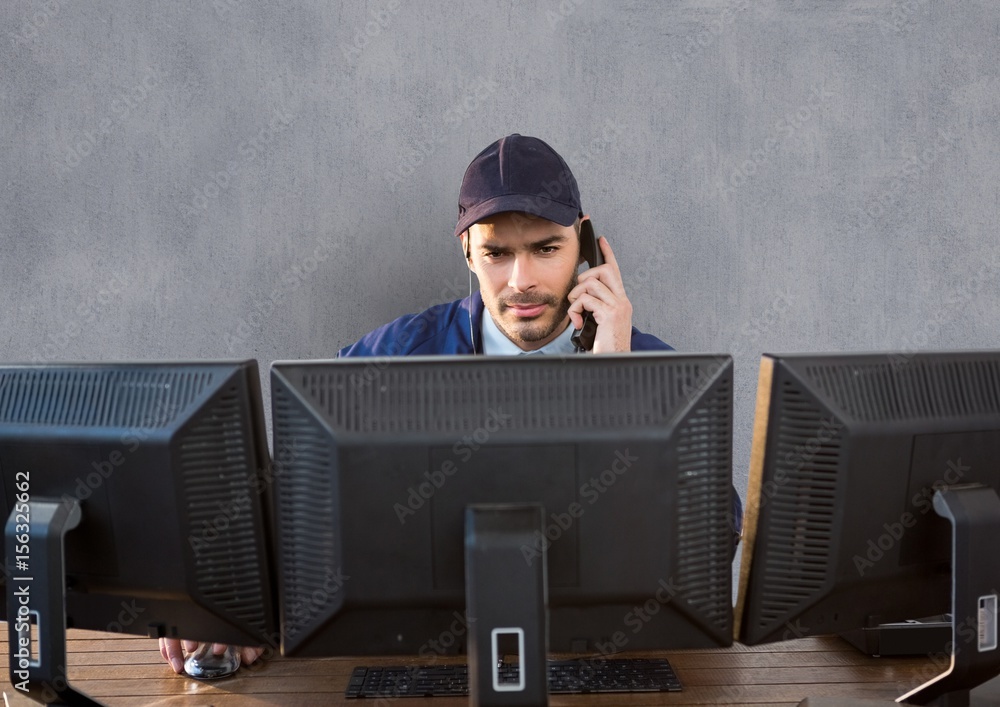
(496,343)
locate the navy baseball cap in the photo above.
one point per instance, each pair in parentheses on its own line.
(518,173)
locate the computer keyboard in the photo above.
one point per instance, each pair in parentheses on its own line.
(579,676)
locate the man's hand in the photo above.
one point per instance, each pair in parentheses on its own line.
(600,291)
(172,650)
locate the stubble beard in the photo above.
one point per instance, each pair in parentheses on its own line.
(530,332)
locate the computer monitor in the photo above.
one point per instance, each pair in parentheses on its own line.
(873,498)
(377,460)
(136,497)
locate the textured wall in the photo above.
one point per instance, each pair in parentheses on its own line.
(272,180)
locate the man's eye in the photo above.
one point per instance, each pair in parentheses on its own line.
(493,254)
(548,249)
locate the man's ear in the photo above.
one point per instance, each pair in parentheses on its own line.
(465,242)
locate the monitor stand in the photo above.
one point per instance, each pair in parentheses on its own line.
(36,593)
(506,601)
(914,637)
(974,512)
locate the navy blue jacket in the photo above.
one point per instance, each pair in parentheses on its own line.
(444,329)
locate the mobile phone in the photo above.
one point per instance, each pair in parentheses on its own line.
(590,251)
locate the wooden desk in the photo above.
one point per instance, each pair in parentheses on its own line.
(125,670)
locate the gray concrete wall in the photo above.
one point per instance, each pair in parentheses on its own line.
(272,180)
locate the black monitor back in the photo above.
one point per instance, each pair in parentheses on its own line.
(170,465)
(376,460)
(848,450)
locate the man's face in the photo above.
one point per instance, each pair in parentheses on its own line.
(526,267)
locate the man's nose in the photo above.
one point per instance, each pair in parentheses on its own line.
(521,273)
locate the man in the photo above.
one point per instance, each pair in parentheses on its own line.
(519,224)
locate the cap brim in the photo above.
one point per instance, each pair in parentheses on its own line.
(542,206)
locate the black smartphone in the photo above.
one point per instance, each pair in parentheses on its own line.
(591,252)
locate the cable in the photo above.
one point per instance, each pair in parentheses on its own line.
(468,258)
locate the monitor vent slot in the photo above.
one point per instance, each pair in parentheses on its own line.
(308,553)
(705,507)
(218,461)
(799,502)
(94,397)
(914,388)
(543,395)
